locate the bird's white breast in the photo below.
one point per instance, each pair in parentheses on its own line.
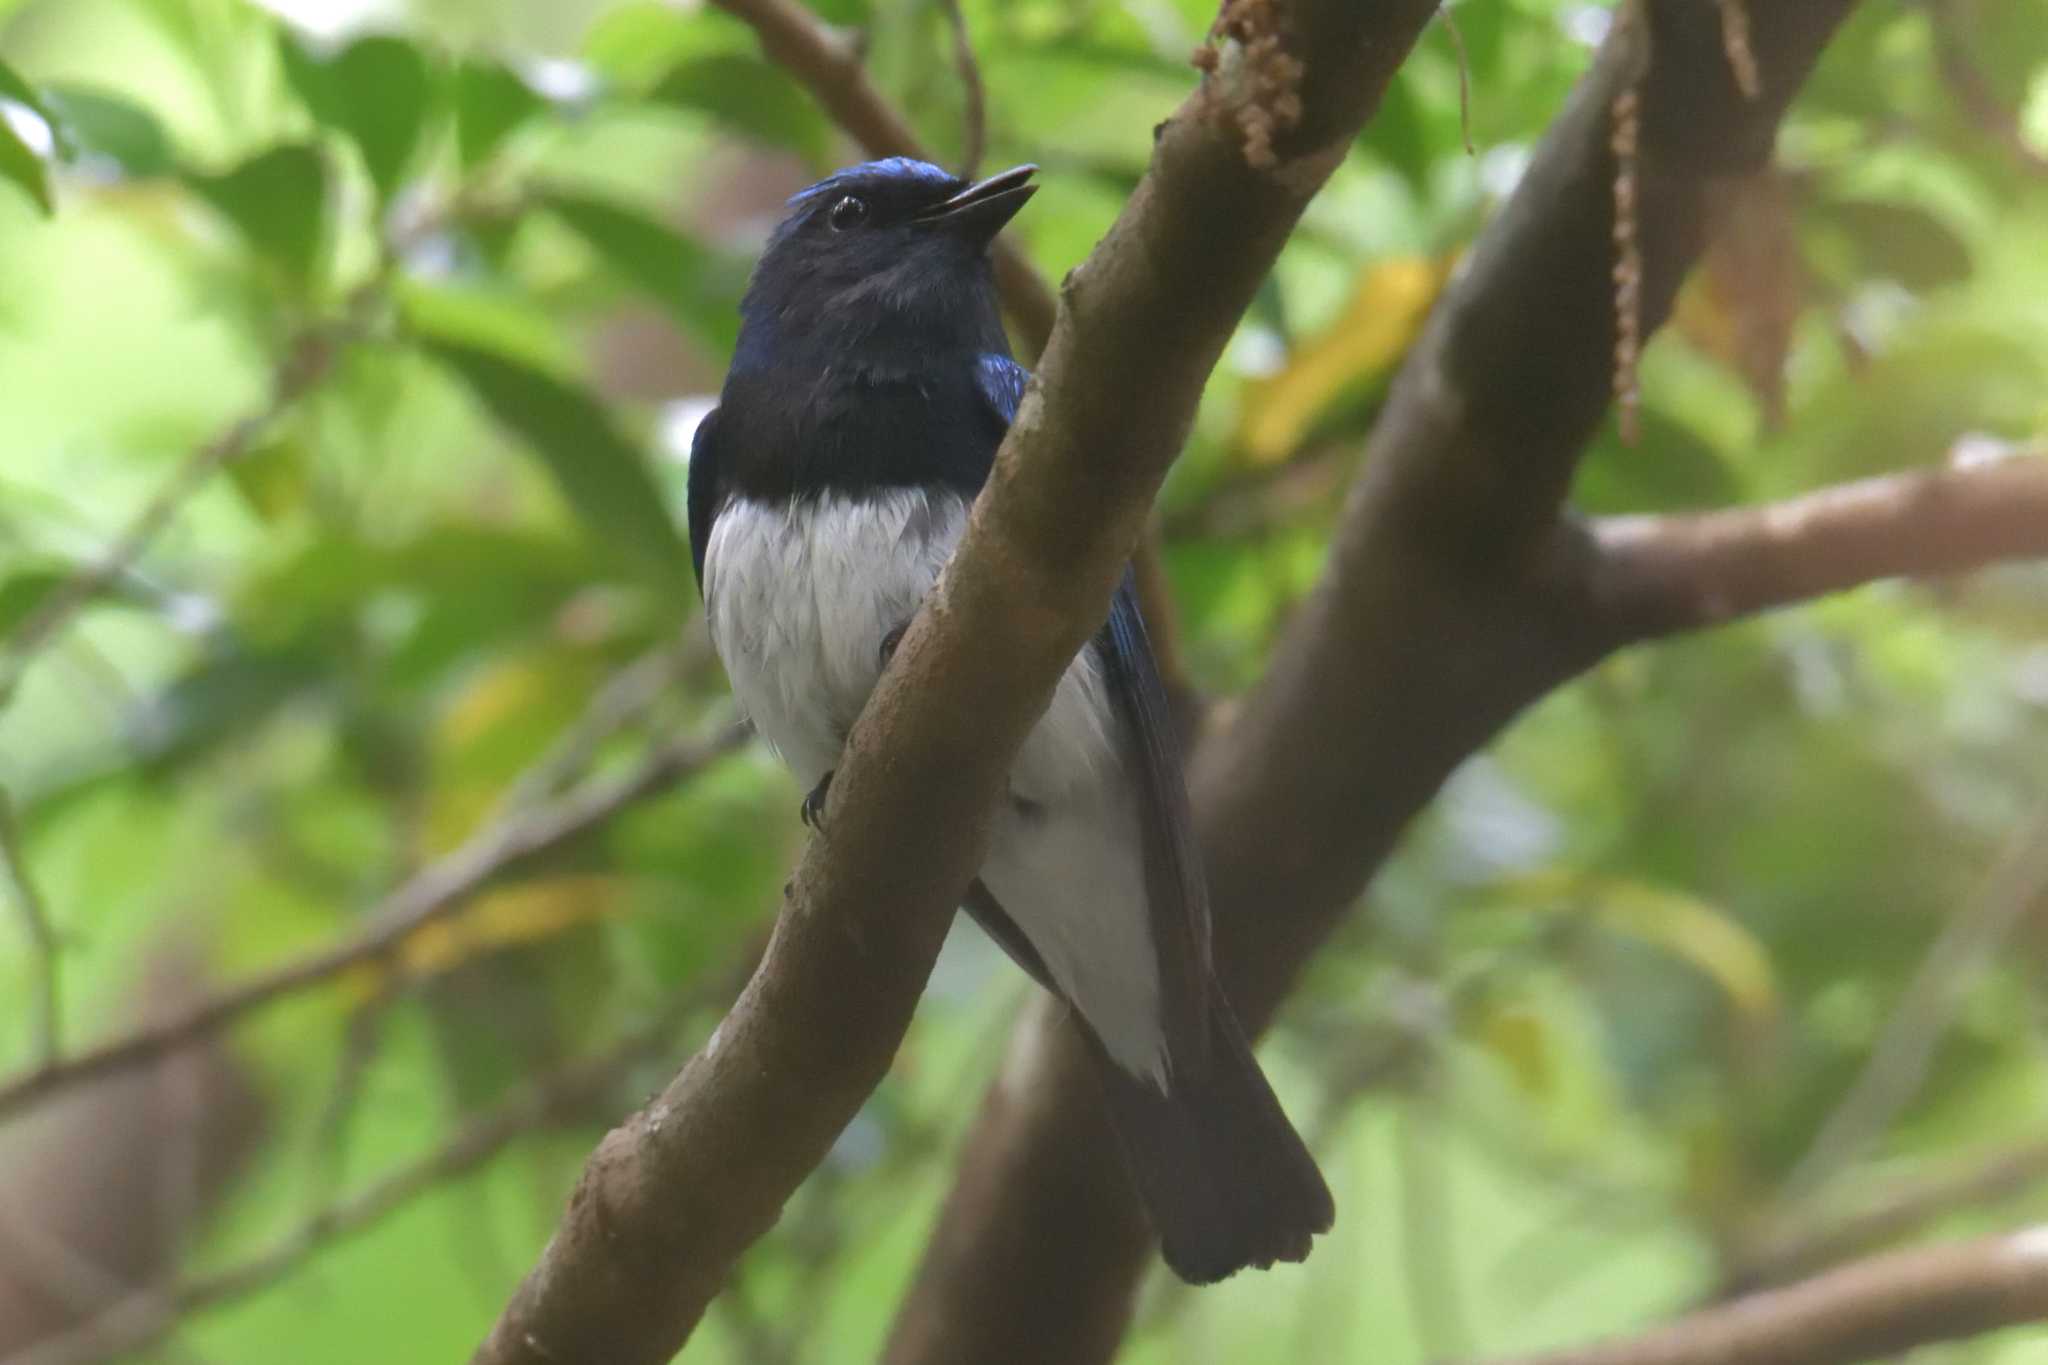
(800,596)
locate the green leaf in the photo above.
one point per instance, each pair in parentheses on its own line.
(654,257)
(22,593)
(14,87)
(491,102)
(504,323)
(111,127)
(603,474)
(1697,932)
(378,91)
(279,201)
(1902,241)
(20,164)
(1400,135)
(634,45)
(273,479)
(1670,468)
(749,96)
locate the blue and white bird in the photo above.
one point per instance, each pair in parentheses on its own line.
(869,391)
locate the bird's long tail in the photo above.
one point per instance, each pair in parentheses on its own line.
(1227,1180)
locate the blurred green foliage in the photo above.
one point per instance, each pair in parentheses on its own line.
(1616,979)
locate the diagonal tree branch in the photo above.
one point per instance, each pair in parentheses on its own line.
(1454,597)
(1657,575)
(672,1197)
(437,891)
(1881,1307)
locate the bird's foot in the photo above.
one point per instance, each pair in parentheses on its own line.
(813,809)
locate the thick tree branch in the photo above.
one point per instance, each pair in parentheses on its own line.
(1657,575)
(671,1198)
(1452,600)
(1881,1307)
(435,892)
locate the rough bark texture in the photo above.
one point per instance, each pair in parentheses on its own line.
(1455,596)
(673,1196)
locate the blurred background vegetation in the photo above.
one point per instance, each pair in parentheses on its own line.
(402,313)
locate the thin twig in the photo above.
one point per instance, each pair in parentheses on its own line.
(359,1048)
(974,118)
(307,364)
(1806,1244)
(623,699)
(1966,80)
(433,893)
(45,1004)
(141,1318)
(1450,23)
(1897,1066)
(1735,45)
(1879,1308)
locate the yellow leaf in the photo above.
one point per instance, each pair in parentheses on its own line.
(1519,1037)
(494,921)
(1385,311)
(503,708)
(1690,929)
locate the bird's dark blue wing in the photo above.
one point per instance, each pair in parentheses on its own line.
(1174,884)
(1002,382)
(707,488)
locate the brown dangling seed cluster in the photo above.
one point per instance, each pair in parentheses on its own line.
(1269,105)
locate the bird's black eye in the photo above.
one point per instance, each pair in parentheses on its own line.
(848,213)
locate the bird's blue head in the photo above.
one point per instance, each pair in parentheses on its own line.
(889,255)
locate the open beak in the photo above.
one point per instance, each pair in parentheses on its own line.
(979,211)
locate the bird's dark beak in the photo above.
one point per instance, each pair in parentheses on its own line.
(979,211)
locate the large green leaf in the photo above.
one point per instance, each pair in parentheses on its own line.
(502,321)
(602,473)
(654,257)
(749,96)
(113,128)
(279,201)
(634,45)
(20,162)
(377,90)
(491,102)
